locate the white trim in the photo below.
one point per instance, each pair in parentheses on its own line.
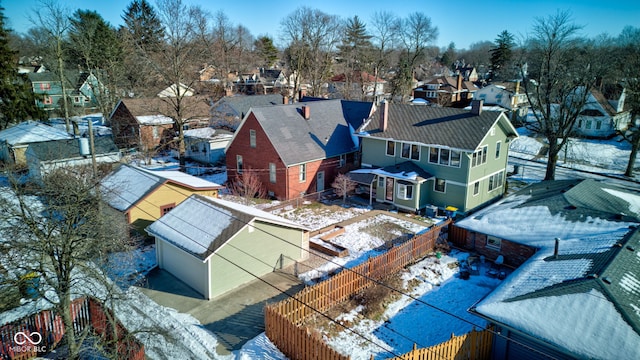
(435,182)
(386,147)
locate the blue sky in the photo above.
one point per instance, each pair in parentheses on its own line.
(462,22)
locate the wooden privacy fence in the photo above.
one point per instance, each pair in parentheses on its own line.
(283,320)
(475,345)
(40,333)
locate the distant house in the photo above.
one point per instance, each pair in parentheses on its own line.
(601,117)
(81,90)
(43,157)
(215,246)
(423,158)
(468,73)
(148,123)
(206,145)
(272,81)
(228,112)
(15,140)
(570,298)
(446,91)
(358,85)
(175,90)
(299,148)
(143,196)
(508,97)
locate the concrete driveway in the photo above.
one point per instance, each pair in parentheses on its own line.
(235,317)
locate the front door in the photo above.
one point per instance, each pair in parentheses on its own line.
(320,181)
(389,190)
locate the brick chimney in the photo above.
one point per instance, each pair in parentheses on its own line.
(306,112)
(285,100)
(476,106)
(459,82)
(301,93)
(384,115)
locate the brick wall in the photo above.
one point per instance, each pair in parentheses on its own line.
(288,184)
(514,254)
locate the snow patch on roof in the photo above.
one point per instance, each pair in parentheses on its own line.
(632,199)
(596,315)
(154,120)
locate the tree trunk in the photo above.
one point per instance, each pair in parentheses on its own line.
(635,145)
(69,332)
(552,158)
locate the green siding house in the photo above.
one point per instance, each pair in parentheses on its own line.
(426,158)
(82,90)
(215,246)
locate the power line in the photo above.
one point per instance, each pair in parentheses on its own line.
(371,279)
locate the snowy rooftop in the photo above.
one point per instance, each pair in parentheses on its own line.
(585,300)
(128,184)
(200,225)
(570,209)
(154,120)
(207,132)
(31,131)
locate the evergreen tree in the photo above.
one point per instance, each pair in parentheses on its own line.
(355,53)
(502,54)
(266,51)
(449,55)
(143,25)
(17,102)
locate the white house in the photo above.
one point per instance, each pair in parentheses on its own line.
(601,117)
(206,145)
(215,246)
(507,96)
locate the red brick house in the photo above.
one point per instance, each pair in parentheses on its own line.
(298,149)
(147,123)
(446,91)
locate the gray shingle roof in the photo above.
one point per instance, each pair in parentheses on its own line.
(325,134)
(200,225)
(69,149)
(450,127)
(242,104)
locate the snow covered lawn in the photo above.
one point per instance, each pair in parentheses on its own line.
(424,322)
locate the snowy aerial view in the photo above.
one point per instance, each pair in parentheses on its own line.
(337,180)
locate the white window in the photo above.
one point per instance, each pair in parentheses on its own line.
(598,124)
(252,138)
(455,158)
(498,144)
(410,151)
(479,157)
(495,181)
(272,173)
(494,242)
(239,163)
(588,124)
(381,182)
(476,188)
(303,172)
(391,148)
(440,185)
(431,94)
(405,191)
(155,132)
(444,156)
(433,155)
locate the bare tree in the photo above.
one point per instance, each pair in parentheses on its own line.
(248,186)
(629,60)
(416,33)
(53,19)
(343,186)
(558,82)
(383,39)
(311,36)
(57,232)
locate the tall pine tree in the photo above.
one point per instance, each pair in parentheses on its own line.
(355,53)
(17,102)
(502,54)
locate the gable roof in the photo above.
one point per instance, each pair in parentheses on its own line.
(70,148)
(327,133)
(442,126)
(584,300)
(242,103)
(128,184)
(30,132)
(565,209)
(160,110)
(201,225)
(602,100)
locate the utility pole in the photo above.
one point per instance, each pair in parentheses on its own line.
(92,148)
